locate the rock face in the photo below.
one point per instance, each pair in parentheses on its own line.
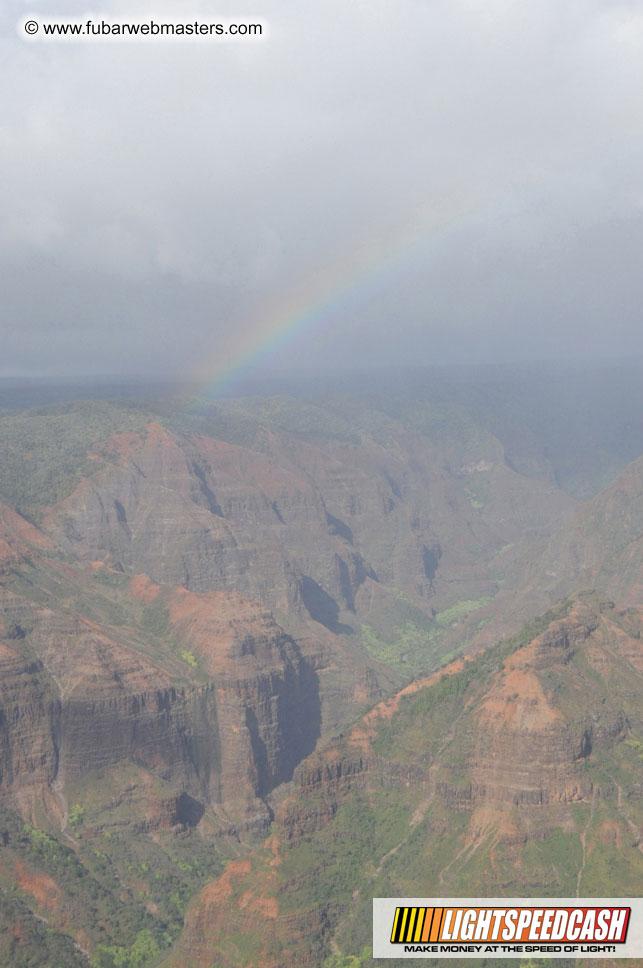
(267,693)
(76,699)
(301,525)
(17,536)
(181,638)
(517,772)
(312,531)
(28,720)
(599,546)
(526,735)
(529,750)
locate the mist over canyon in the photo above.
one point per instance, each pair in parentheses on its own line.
(265,657)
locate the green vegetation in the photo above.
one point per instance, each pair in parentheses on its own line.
(127,890)
(402,636)
(448,425)
(110,577)
(349,961)
(144,950)
(343,856)
(442,700)
(27,942)
(341,416)
(414,648)
(412,652)
(242,420)
(46,451)
(44,845)
(156,618)
(472,498)
(76,816)
(460,611)
(89,893)
(554,861)
(107,889)
(390,836)
(294,415)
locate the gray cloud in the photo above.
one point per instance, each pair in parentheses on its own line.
(476,166)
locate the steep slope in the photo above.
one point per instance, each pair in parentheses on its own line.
(330,534)
(206,689)
(141,731)
(600,545)
(17,538)
(194,614)
(518,773)
(382,519)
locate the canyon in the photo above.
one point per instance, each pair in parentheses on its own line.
(230,641)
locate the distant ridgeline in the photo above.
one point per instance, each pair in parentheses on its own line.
(264,657)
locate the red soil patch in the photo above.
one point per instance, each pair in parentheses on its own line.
(8,555)
(123,444)
(220,626)
(157,438)
(217,891)
(518,698)
(16,537)
(267,907)
(7,654)
(42,888)
(610,833)
(83,940)
(627,646)
(12,524)
(364,731)
(273,844)
(386,708)
(143,588)
(250,467)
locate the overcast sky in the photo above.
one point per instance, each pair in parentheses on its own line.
(441,180)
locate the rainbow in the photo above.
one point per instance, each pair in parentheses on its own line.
(349,279)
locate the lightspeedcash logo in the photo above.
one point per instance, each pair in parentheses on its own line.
(502,927)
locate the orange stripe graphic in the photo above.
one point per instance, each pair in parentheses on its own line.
(438,918)
(428,920)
